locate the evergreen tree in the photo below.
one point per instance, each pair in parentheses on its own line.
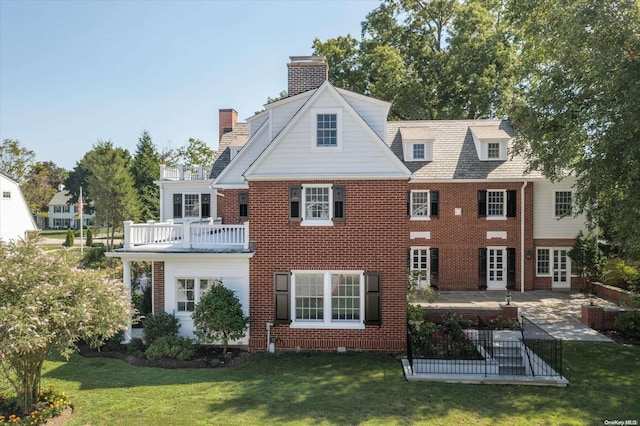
(89,241)
(146,169)
(69,240)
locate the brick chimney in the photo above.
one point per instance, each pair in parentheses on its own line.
(306,73)
(227,119)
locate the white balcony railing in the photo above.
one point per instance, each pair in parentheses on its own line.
(195,172)
(169,235)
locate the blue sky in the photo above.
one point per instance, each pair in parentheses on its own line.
(73,72)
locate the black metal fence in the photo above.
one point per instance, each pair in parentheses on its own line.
(482,351)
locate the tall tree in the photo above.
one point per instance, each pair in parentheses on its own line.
(145,170)
(196,152)
(111,186)
(581,73)
(15,160)
(41,185)
(433,59)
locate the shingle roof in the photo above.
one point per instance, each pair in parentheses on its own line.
(415,133)
(61,198)
(454,152)
(489,132)
(234,139)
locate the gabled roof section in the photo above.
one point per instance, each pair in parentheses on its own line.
(489,132)
(363,153)
(415,134)
(60,198)
(454,151)
(234,139)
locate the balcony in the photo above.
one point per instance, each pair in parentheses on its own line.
(181,172)
(169,236)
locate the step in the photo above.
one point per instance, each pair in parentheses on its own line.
(512,371)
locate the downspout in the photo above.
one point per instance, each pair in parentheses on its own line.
(522,235)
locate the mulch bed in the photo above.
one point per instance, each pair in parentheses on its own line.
(618,338)
(206,357)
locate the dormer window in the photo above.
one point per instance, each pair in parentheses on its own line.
(417,143)
(326,129)
(491,142)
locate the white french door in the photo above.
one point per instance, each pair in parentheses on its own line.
(560,274)
(496,268)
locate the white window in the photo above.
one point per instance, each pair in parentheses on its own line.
(317,201)
(65,208)
(496,204)
(420,264)
(57,209)
(6,194)
(189,292)
(543,262)
(493,150)
(420,205)
(326,129)
(192,205)
(326,299)
(562,203)
(418,150)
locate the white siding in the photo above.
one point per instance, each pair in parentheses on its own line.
(361,153)
(256,121)
(545,224)
(233,173)
(169,188)
(234,274)
(372,112)
(15,217)
(281,115)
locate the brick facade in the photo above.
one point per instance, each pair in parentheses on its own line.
(227,119)
(158,287)
(544,283)
(228,206)
(306,73)
(367,240)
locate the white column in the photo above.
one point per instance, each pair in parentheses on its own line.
(126,278)
(127,234)
(186,235)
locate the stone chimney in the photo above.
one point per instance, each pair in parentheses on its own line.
(306,73)
(227,119)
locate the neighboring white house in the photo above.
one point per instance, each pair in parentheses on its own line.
(15,217)
(63,213)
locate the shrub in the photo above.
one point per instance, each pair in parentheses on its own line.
(454,325)
(114,344)
(419,328)
(620,274)
(502,323)
(161,325)
(172,347)
(136,347)
(628,324)
(94,257)
(68,242)
(89,241)
(219,316)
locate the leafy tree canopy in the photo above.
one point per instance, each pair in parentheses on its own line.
(581,63)
(15,160)
(42,185)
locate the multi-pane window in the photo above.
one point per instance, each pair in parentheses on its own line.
(6,194)
(191,205)
(563,203)
(418,151)
(328,298)
(495,203)
(317,203)
(190,290)
(543,262)
(420,264)
(57,209)
(309,291)
(493,150)
(345,296)
(327,130)
(420,203)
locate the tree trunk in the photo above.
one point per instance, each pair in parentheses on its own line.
(28,368)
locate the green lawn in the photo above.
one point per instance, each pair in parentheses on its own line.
(354,388)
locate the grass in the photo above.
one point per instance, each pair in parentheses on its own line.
(355,388)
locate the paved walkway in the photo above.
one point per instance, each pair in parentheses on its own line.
(556,312)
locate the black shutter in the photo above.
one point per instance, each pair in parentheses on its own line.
(409,258)
(295,196)
(435,203)
(511,268)
(339,203)
(177,206)
(482,203)
(408,203)
(205,205)
(243,205)
(372,301)
(511,203)
(281,289)
(482,268)
(435,259)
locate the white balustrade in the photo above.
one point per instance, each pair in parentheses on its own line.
(186,235)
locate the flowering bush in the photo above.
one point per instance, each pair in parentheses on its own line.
(50,404)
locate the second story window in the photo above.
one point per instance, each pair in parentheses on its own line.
(495,203)
(6,194)
(192,205)
(327,130)
(563,200)
(418,151)
(318,205)
(423,205)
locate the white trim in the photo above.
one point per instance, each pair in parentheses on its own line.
(423,217)
(160,256)
(415,235)
(303,206)
(452,180)
(327,322)
(427,269)
(313,115)
(503,216)
(272,178)
(553,203)
(496,234)
(498,285)
(407,150)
